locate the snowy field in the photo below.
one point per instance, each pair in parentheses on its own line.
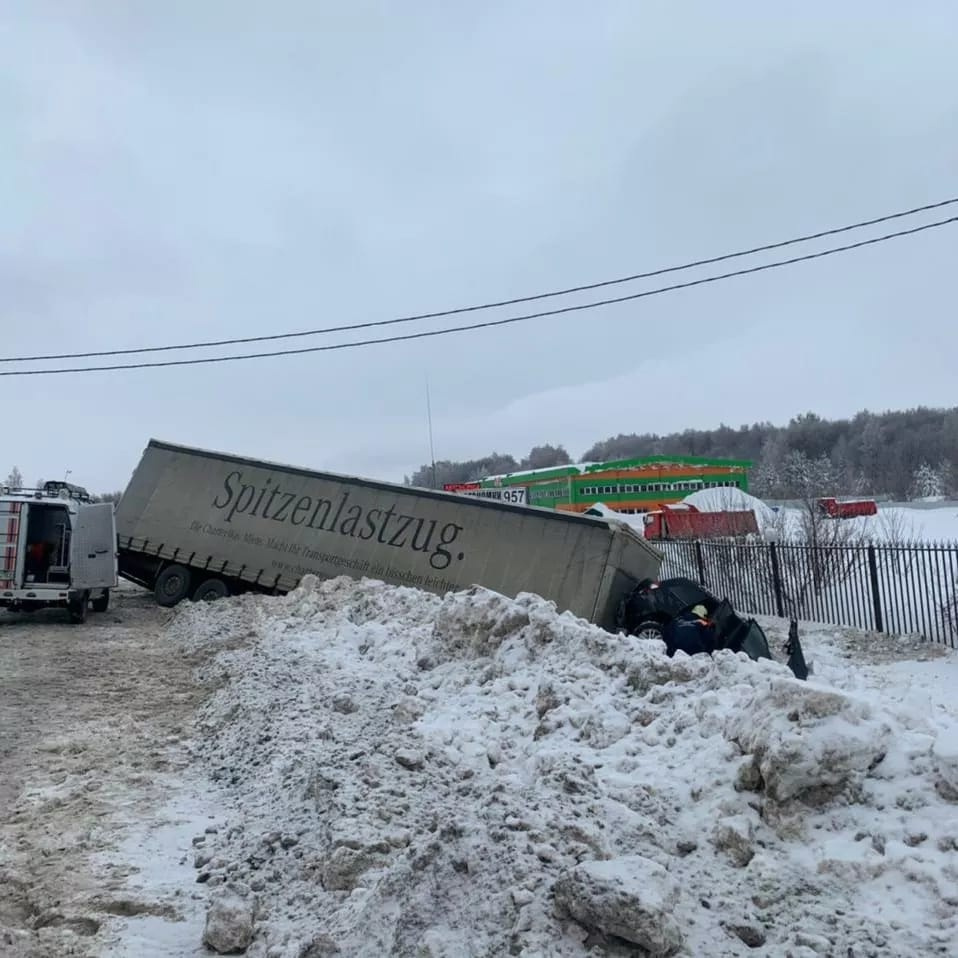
(937,523)
(370,770)
(897,523)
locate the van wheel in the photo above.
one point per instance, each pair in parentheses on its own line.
(102,602)
(211,589)
(76,608)
(172,585)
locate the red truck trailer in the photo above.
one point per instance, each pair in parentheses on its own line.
(849,509)
(688,522)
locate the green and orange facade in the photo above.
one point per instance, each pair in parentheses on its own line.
(625,485)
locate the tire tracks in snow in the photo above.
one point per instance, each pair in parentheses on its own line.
(94,787)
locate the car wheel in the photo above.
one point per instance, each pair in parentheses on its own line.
(650,629)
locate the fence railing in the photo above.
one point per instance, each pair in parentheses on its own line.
(901,588)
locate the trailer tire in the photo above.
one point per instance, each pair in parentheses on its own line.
(172,585)
(76,608)
(102,602)
(211,589)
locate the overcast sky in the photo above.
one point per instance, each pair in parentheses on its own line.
(182,171)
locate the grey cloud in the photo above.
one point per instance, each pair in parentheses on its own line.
(181,171)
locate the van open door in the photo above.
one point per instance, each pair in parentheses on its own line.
(93,556)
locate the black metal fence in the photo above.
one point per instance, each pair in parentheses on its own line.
(902,588)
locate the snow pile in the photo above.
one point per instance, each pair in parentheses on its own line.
(229,922)
(726,499)
(602,511)
(404,774)
(629,897)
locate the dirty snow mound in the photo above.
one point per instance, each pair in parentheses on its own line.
(629,897)
(807,741)
(475,775)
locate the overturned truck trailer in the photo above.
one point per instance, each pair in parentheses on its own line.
(199,524)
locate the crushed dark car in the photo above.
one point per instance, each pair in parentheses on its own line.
(689,618)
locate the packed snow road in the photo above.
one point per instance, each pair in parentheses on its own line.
(92,770)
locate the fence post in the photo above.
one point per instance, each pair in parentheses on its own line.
(777,581)
(700,561)
(876,594)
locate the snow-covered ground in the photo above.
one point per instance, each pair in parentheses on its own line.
(895,523)
(403,774)
(359,769)
(98,800)
(938,523)
(919,522)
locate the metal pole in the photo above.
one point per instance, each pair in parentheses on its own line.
(700,562)
(777,581)
(432,451)
(876,593)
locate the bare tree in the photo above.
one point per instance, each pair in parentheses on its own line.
(896,527)
(806,552)
(542,457)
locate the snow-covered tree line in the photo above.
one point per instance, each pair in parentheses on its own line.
(905,454)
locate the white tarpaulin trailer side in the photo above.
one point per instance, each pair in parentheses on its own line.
(264,525)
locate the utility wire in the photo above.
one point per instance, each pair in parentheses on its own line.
(492,305)
(496,322)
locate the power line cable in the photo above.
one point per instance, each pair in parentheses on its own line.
(491,323)
(491,305)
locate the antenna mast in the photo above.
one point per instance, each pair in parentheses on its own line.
(432,451)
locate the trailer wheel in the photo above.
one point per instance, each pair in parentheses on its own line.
(76,608)
(210,590)
(649,629)
(172,585)
(102,602)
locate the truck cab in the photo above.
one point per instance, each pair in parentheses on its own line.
(57,549)
(847,509)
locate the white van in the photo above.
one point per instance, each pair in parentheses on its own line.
(57,548)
